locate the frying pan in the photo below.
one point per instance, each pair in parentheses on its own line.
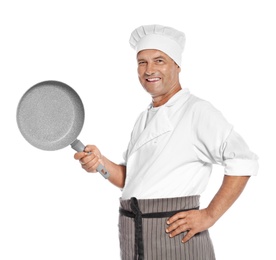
(50,116)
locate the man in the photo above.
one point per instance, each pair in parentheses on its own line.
(169,160)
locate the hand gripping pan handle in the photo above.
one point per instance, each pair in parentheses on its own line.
(78,146)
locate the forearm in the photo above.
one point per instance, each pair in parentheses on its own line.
(117,172)
(228,193)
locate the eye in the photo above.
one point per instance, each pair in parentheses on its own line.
(159,61)
(141,62)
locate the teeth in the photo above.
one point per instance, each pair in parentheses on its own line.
(153,79)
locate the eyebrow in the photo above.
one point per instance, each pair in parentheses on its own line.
(160,57)
(155,58)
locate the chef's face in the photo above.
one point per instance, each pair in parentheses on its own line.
(158,73)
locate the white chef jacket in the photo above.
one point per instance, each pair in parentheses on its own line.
(173,147)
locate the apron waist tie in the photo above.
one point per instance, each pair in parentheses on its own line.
(138,215)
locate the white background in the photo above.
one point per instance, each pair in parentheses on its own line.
(49,207)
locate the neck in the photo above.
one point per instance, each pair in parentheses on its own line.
(161,100)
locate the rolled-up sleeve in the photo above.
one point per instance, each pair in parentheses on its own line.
(216,142)
(237,157)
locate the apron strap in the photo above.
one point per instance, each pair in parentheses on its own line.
(139,246)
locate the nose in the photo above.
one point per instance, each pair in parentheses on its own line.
(150,70)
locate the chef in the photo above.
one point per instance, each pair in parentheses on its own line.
(169,159)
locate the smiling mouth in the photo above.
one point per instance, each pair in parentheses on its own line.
(153,79)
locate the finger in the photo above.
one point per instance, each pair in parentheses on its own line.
(188,236)
(176,216)
(90,148)
(179,230)
(79,155)
(175,225)
(89,158)
(93,168)
(90,163)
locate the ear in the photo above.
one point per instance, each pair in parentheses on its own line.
(178,67)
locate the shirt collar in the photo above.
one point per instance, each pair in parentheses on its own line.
(177,96)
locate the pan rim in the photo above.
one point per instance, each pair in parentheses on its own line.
(31,130)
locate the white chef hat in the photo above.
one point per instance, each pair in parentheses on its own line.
(159,37)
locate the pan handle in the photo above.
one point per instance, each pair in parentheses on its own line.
(78,146)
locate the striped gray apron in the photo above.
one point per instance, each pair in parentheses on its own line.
(142,225)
